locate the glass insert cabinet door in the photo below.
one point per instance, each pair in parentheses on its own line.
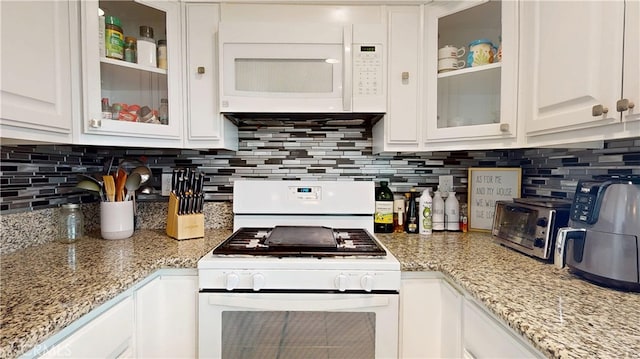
(471,58)
(132,77)
(298,325)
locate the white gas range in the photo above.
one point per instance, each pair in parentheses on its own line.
(301,260)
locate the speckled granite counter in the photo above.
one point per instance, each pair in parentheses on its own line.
(46,287)
(561,315)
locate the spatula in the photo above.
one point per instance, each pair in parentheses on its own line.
(120,183)
(109,187)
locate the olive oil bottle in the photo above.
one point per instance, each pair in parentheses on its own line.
(383,216)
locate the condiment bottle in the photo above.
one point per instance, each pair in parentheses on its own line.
(398,215)
(70,223)
(438,212)
(383,216)
(114,39)
(426,204)
(411,222)
(146,47)
(452,215)
(163,111)
(162,54)
(464,221)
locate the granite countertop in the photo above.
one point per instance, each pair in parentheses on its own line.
(46,287)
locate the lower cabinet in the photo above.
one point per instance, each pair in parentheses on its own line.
(166,317)
(157,318)
(438,320)
(109,335)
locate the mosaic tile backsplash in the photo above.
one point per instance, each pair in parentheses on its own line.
(38,177)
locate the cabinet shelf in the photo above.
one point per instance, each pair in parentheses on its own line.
(468,70)
(120,63)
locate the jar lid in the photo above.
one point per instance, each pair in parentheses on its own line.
(146,31)
(164,100)
(130,39)
(71,205)
(162,42)
(112,20)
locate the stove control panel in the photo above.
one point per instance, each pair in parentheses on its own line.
(305,193)
(283,279)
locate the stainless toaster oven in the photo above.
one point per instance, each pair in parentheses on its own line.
(530,225)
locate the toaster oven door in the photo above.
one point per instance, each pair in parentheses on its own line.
(516,224)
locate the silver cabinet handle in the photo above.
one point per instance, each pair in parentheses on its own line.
(200,69)
(504,127)
(624,105)
(598,110)
(405,75)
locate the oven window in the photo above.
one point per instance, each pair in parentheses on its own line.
(293,334)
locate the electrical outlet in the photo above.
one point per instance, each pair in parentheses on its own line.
(166,184)
(445,183)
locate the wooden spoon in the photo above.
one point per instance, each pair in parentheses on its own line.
(120,183)
(109,187)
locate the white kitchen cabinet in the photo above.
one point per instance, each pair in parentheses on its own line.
(573,76)
(205,126)
(129,83)
(110,335)
(430,312)
(166,317)
(39,49)
(471,107)
(399,130)
(485,337)
(439,320)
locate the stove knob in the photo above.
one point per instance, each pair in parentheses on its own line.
(367,282)
(233,279)
(258,281)
(341,282)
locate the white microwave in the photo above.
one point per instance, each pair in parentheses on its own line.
(302,68)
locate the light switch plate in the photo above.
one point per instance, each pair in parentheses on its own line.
(445,183)
(166,184)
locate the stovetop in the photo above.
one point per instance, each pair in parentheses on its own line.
(301,241)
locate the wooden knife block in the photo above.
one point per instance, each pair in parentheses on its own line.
(186,226)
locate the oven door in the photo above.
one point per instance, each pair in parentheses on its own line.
(298,325)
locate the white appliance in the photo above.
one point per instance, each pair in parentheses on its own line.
(302,68)
(300,277)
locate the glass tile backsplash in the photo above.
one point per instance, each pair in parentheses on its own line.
(43,176)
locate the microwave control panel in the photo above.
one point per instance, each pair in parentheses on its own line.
(367,69)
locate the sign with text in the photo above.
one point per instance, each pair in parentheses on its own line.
(486,186)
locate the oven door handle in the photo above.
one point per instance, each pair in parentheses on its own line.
(299,303)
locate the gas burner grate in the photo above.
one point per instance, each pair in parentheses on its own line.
(311,242)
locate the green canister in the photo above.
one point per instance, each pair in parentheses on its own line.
(114,38)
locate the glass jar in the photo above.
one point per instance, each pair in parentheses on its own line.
(146,47)
(114,38)
(130,49)
(70,223)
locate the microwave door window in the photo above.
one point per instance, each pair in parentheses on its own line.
(286,76)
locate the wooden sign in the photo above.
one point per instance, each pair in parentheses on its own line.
(486,186)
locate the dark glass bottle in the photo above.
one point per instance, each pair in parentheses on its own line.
(411,224)
(383,216)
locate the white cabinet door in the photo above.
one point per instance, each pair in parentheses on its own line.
(451,325)
(484,337)
(128,83)
(399,130)
(572,73)
(37,47)
(110,335)
(166,317)
(205,126)
(471,107)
